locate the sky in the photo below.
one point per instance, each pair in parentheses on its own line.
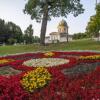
(12,10)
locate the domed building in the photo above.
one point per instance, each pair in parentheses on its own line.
(63,27)
(61,35)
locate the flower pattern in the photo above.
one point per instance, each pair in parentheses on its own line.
(50,83)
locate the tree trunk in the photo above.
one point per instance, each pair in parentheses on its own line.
(44,25)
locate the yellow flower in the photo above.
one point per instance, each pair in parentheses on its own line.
(93,57)
(49,54)
(35,79)
(4,61)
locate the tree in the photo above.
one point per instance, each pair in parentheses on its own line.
(11,41)
(26,39)
(36,39)
(79,36)
(45,9)
(9,32)
(28,34)
(93,25)
(14,31)
(2,26)
(2,30)
(18,34)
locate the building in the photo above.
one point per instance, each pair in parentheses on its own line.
(60,36)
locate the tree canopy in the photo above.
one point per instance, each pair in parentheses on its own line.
(11,33)
(93,25)
(46,9)
(79,35)
(28,37)
(10,30)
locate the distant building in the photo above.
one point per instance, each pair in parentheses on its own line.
(61,35)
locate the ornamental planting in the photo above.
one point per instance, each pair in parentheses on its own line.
(50,76)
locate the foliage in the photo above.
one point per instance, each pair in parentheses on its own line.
(46,9)
(9,32)
(36,39)
(11,41)
(29,30)
(93,26)
(28,37)
(79,35)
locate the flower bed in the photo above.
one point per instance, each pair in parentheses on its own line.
(90,58)
(46,62)
(73,77)
(35,79)
(4,61)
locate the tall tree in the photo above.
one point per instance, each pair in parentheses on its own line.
(10,30)
(45,9)
(18,34)
(29,30)
(2,30)
(28,34)
(93,25)
(15,32)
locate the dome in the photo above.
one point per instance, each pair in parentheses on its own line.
(63,23)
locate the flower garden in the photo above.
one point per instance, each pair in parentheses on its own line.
(50,76)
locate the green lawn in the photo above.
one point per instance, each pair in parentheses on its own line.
(75,45)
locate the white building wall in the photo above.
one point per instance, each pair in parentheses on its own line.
(58,37)
(47,40)
(64,39)
(54,38)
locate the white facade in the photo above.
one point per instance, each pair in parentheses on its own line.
(61,35)
(57,38)
(47,40)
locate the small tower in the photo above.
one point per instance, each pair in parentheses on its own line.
(63,31)
(63,27)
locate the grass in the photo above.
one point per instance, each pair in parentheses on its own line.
(73,45)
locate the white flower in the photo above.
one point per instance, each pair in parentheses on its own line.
(47,62)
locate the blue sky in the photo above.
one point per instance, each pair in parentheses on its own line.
(12,10)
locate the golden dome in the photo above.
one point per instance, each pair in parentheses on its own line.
(63,23)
